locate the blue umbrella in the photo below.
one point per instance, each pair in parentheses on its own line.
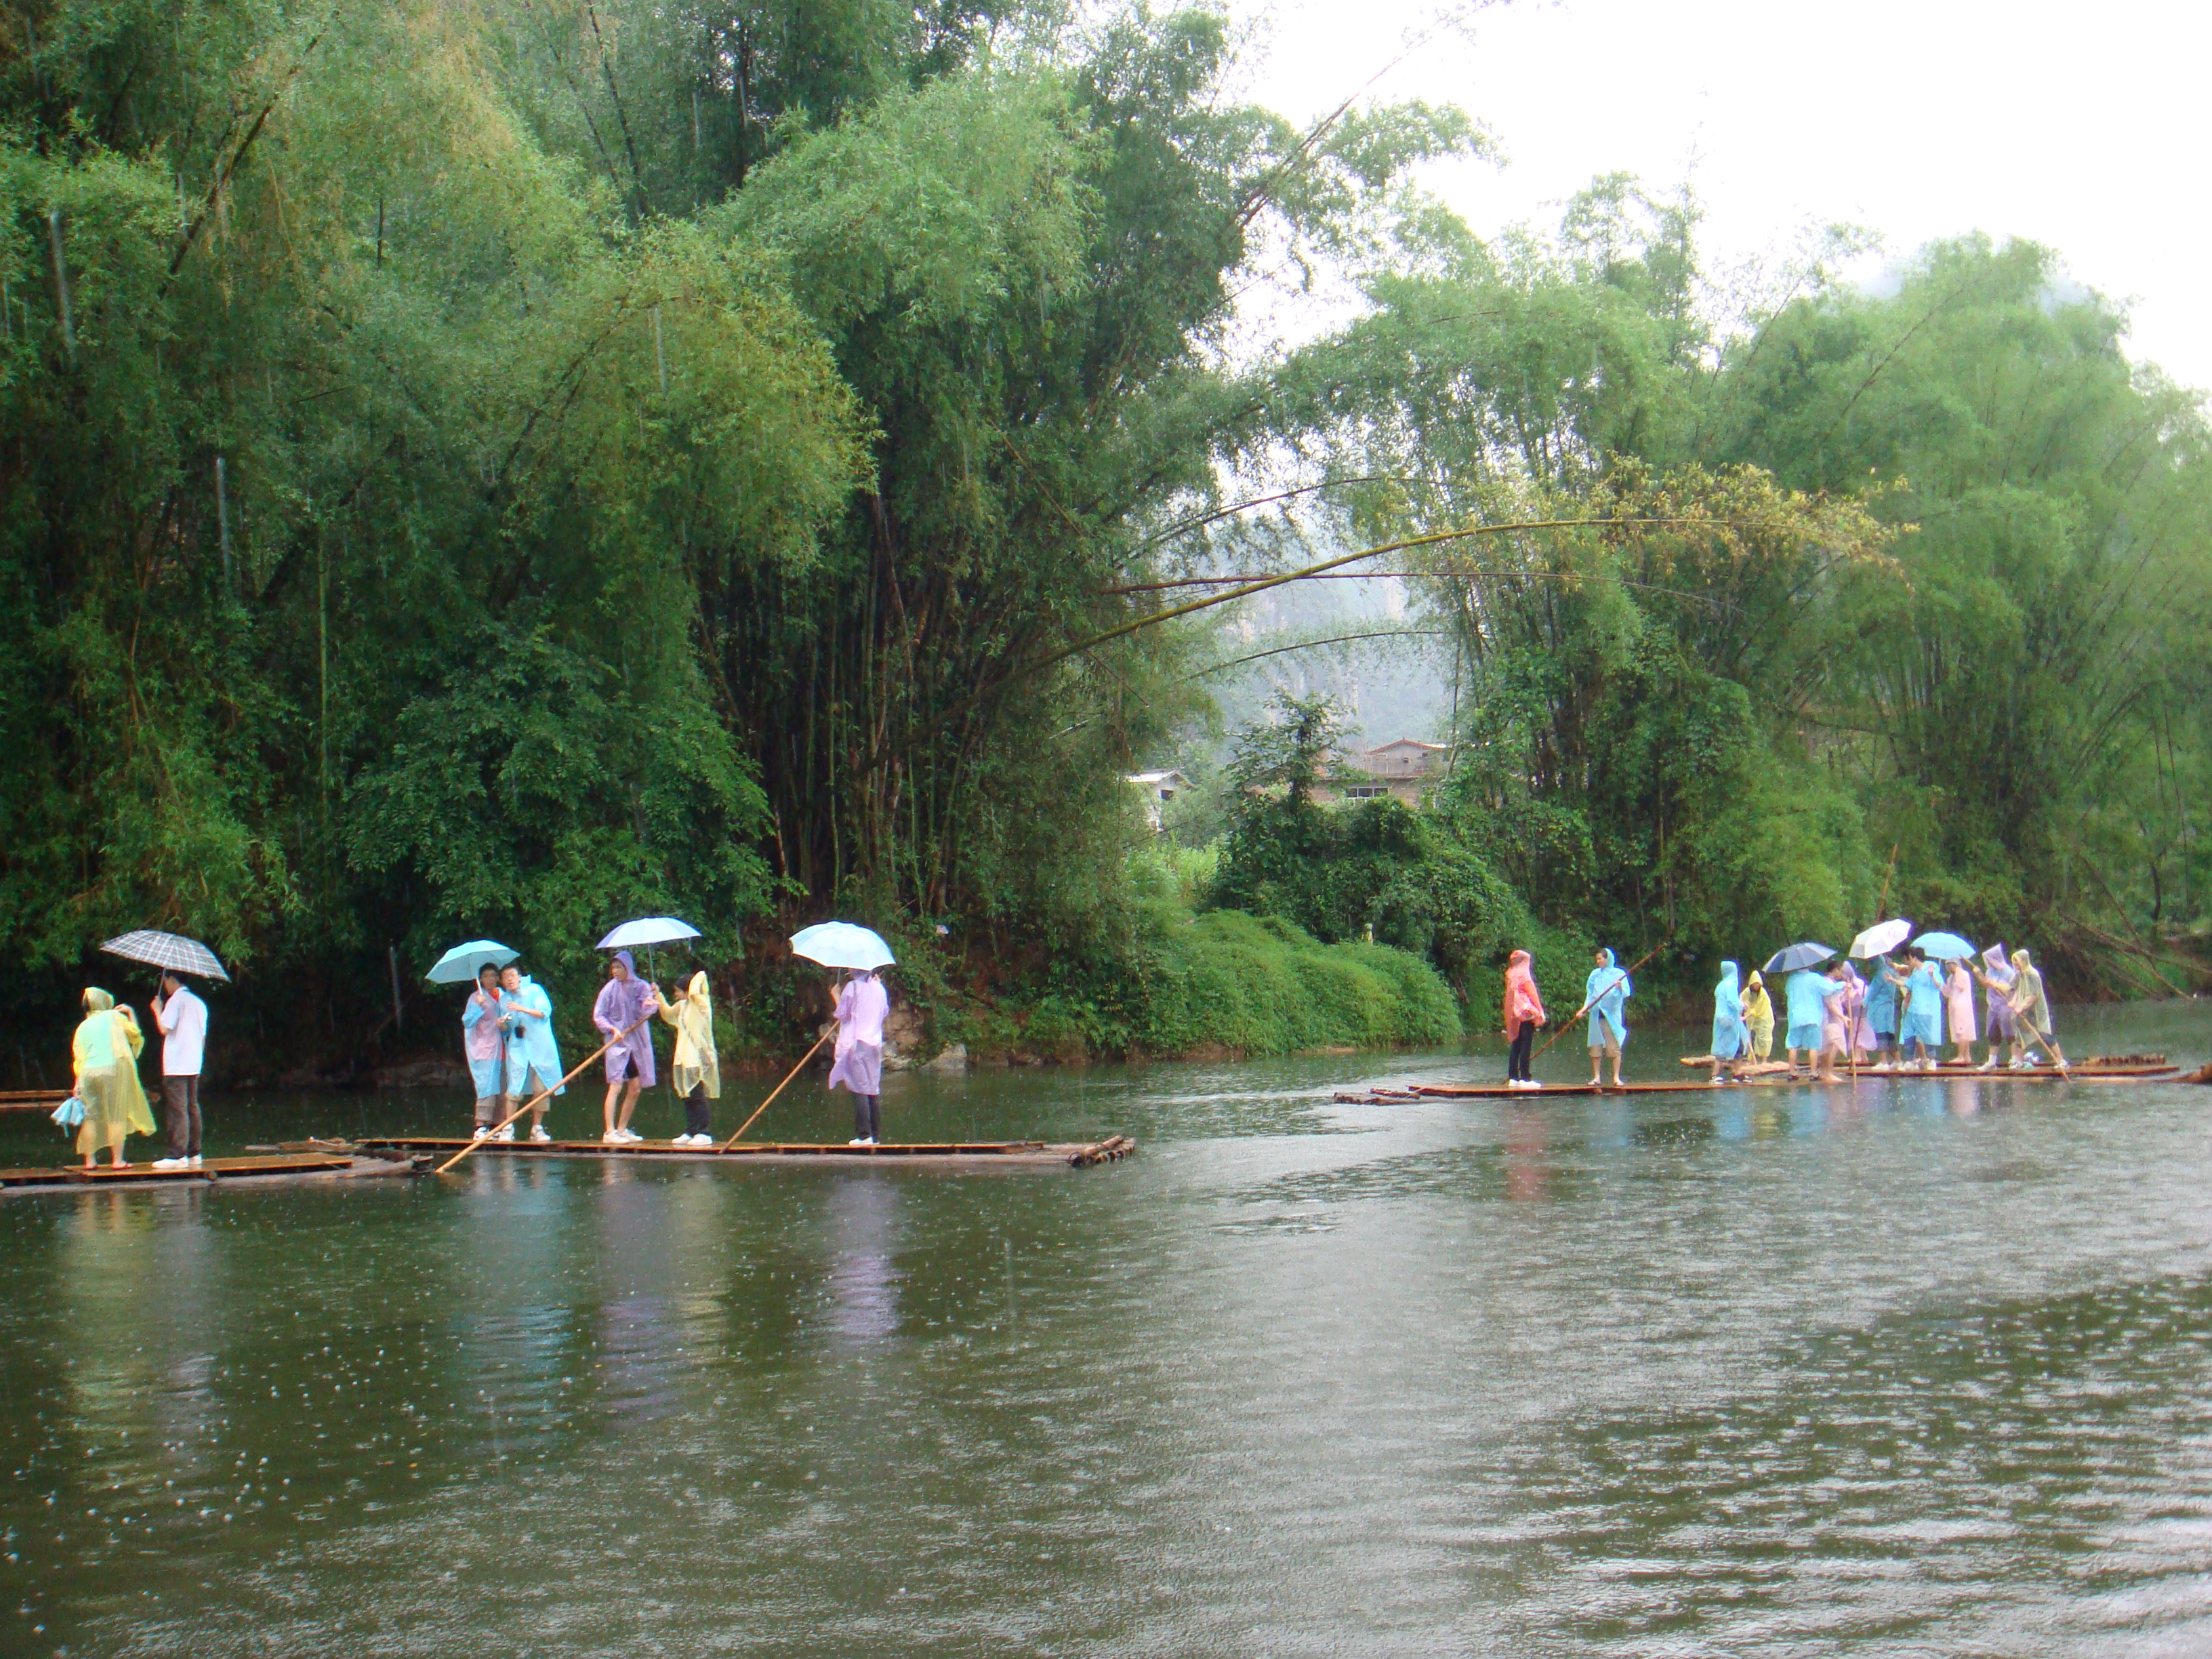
(463,961)
(842,945)
(1944,947)
(1794,956)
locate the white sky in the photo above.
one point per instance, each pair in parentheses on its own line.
(2077,126)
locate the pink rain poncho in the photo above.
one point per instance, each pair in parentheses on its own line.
(860,1011)
(1523,1004)
(1959,1001)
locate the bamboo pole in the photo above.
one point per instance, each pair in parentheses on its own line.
(1882,903)
(1587,1006)
(542,1095)
(774,1092)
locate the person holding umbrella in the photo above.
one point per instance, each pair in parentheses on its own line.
(182,1019)
(1806,994)
(483,1042)
(861,1008)
(104,1055)
(625,1003)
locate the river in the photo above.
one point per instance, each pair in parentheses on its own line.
(1926,1368)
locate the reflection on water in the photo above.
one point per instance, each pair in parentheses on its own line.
(1920,1366)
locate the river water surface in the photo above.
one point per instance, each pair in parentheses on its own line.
(1926,1368)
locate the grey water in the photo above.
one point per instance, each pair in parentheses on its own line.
(1922,1368)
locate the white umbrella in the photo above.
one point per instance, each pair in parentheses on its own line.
(648,930)
(170,951)
(1881,939)
(464,962)
(842,945)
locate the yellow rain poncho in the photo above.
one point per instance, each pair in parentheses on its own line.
(692,1014)
(105,1054)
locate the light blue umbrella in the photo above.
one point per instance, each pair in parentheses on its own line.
(1944,947)
(648,930)
(842,945)
(463,961)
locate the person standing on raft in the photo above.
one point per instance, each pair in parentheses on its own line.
(1881,1015)
(698,1071)
(861,1008)
(1758,1017)
(1959,1006)
(625,1000)
(1603,993)
(1923,1023)
(2031,1008)
(533,1057)
(483,1045)
(1731,1036)
(1524,1012)
(1998,982)
(1806,992)
(182,1019)
(104,1054)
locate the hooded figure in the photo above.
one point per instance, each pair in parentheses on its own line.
(1958,1006)
(1859,1038)
(861,1008)
(1881,1009)
(1731,1036)
(1759,1015)
(1603,993)
(698,1072)
(104,1056)
(623,1003)
(2030,1007)
(1998,975)
(1524,1012)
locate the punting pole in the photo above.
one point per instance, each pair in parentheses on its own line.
(1586,1008)
(774,1092)
(542,1095)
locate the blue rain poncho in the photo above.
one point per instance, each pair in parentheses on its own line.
(1731,1036)
(1881,1005)
(529,1044)
(1605,991)
(1923,1007)
(1807,992)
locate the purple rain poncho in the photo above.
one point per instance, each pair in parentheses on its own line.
(623,1003)
(1998,970)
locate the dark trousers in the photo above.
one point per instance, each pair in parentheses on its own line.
(1516,1061)
(180,1105)
(867,1117)
(696,1117)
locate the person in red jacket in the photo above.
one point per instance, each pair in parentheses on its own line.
(1524,1012)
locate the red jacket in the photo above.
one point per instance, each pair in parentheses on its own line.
(1523,1004)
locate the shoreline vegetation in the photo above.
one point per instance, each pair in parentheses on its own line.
(495,471)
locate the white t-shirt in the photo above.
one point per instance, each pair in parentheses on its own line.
(183,1020)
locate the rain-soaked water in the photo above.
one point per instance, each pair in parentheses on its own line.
(1924,1371)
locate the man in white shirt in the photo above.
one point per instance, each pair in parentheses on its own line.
(182,1018)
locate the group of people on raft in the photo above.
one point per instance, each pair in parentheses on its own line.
(515,1060)
(1895,1018)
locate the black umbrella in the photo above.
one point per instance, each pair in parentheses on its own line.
(1794,956)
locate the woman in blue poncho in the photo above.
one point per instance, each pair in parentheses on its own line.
(1807,992)
(1921,1027)
(1731,1036)
(1603,993)
(1881,1013)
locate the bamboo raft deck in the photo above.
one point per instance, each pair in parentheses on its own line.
(2093,1072)
(957,1155)
(279,1169)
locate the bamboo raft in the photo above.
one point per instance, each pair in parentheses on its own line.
(278,1168)
(2134,1069)
(960,1154)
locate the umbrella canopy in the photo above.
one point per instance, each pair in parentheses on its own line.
(463,961)
(841,944)
(1880,939)
(1794,956)
(170,950)
(648,930)
(1943,946)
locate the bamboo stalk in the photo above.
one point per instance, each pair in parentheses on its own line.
(542,1095)
(774,1092)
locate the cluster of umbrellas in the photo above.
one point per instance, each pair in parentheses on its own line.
(1878,940)
(832,943)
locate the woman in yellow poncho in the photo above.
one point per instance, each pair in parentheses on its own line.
(105,1054)
(1759,1015)
(698,1074)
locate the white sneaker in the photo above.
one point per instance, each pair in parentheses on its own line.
(481,1131)
(172,1163)
(860,1140)
(194,1160)
(505,1133)
(537,1133)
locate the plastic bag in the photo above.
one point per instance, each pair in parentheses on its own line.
(70,1112)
